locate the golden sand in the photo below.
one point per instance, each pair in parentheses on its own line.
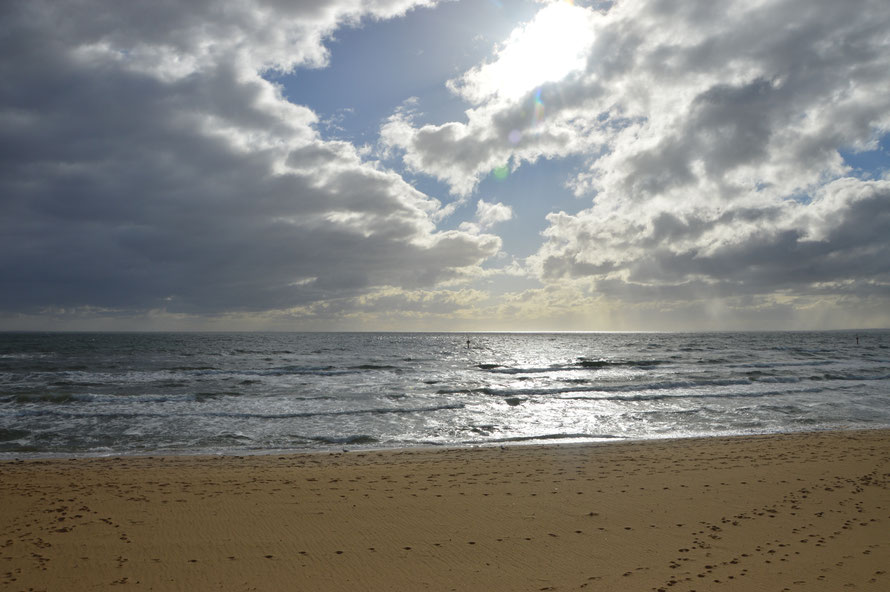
(785,512)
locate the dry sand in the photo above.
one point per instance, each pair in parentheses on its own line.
(787,512)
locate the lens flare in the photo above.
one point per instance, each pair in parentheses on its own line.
(537,109)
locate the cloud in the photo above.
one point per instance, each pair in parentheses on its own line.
(490,214)
(712,136)
(487,215)
(148,165)
(149,169)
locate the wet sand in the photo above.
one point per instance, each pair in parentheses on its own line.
(786,512)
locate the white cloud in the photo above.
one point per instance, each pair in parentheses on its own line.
(487,215)
(712,134)
(490,214)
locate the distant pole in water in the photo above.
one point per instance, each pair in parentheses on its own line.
(857,340)
(468,342)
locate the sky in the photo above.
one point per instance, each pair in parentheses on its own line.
(463,165)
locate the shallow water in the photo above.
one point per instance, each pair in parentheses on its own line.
(120,393)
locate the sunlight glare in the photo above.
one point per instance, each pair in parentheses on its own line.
(552,45)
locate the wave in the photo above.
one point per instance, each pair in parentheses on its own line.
(495,369)
(244,414)
(213,395)
(764,377)
(64,398)
(11,434)
(223,439)
(101,399)
(74,383)
(51,397)
(545,437)
(777,364)
(24,356)
(326,370)
(261,352)
(353,440)
(580,364)
(596,364)
(838,376)
(607,388)
(373,411)
(781,409)
(687,395)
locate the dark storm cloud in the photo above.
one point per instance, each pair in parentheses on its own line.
(145,164)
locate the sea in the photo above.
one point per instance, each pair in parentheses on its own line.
(97,394)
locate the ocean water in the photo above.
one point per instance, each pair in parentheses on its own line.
(140,393)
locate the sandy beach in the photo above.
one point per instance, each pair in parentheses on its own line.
(785,512)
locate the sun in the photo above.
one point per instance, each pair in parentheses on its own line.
(552,45)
